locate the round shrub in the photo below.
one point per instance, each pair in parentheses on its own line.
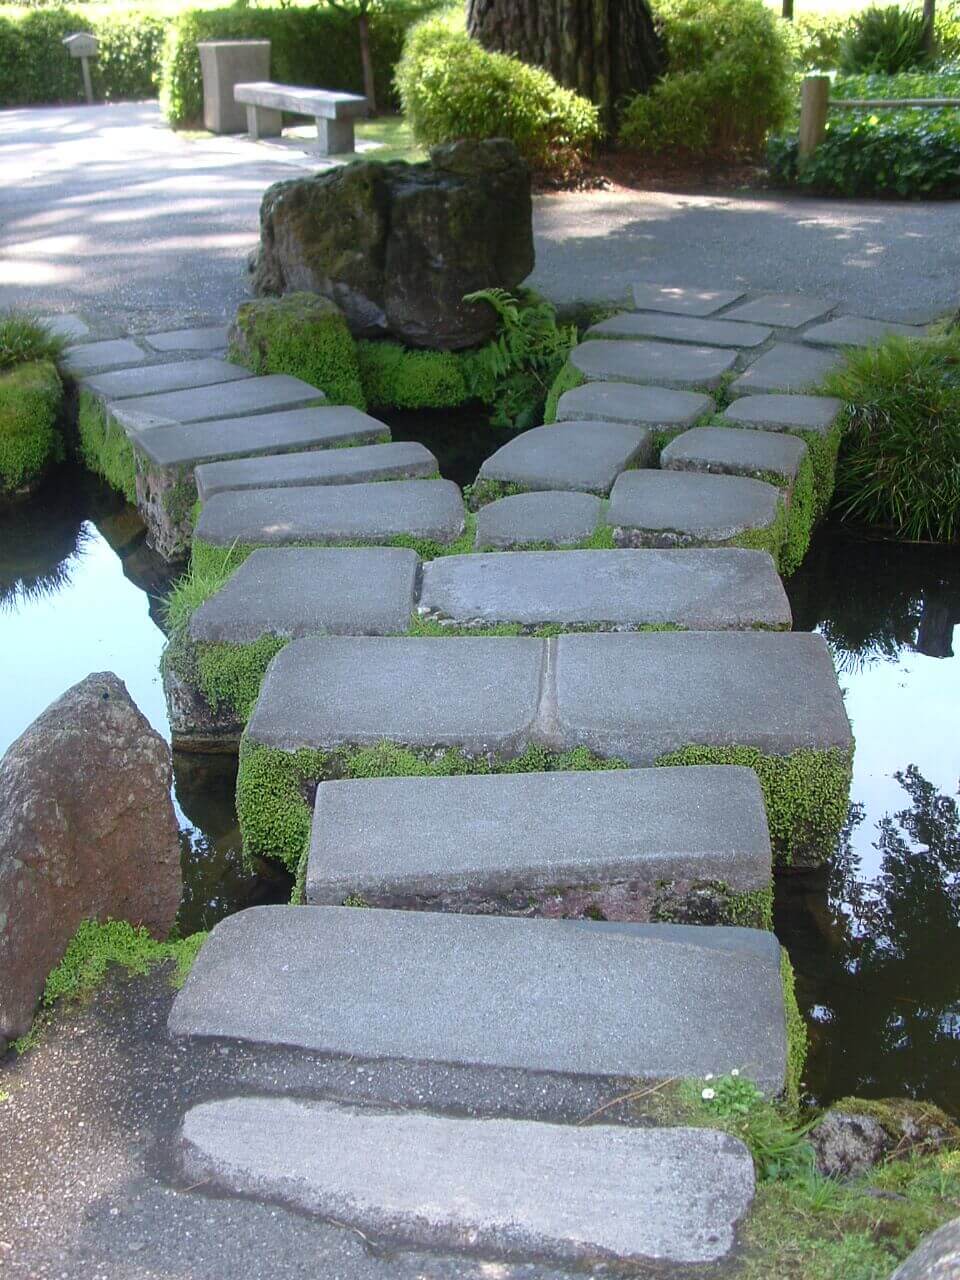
(885,40)
(450,87)
(730,81)
(30,396)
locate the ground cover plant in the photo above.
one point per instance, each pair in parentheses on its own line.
(30,399)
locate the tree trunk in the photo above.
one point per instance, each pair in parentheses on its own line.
(930,26)
(369,86)
(786,10)
(603,49)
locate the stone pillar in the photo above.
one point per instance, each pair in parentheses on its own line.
(223,64)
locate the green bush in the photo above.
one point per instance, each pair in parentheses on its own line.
(23,340)
(450,87)
(128,63)
(30,396)
(814,39)
(899,464)
(729,81)
(886,40)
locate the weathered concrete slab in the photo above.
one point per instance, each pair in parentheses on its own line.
(493,992)
(686,508)
(735,452)
(652,1196)
(302,591)
(641,696)
(207,339)
(616,590)
(320,427)
(560,843)
(631,403)
(672,328)
(661,364)
(587,456)
(96,357)
(124,384)
(404,460)
(427,509)
(785,413)
(205,404)
(782,310)
(682,300)
(66,326)
(480,694)
(786,367)
(558,518)
(854,331)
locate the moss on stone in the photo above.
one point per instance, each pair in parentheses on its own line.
(568,378)
(398,377)
(230,675)
(30,397)
(912,1126)
(105,448)
(797,1039)
(484,491)
(806,794)
(712,902)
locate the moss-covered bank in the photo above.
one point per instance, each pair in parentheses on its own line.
(30,440)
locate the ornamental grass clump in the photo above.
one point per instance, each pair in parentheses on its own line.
(23,340)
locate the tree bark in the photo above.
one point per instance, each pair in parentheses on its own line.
(786,10)
(930,26)
(603,49)
(369,85)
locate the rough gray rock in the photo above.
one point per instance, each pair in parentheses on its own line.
(853,331)
(735,452)
(368,463)
(659,364)
(559,518)
(687,508)
(87,830)
(396,246)
(783,310)
(786,367)
(631,403)
(856,1134)
(682,300)
(712,333)
(847,1144)
(207,339)
(935,1258)
(180,375)
(94,357)
(245,397)
(585,456)
(784,413)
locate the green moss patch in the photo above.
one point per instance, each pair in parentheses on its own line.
(230,675)
(399,377)
(712,902)
(797,1038)
(105,448)
(568,378)
(30,397)
(482,492)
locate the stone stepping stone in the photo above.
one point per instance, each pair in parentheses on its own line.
(557,518)
(816,414)
(782,310)
(555,844)
(686,508)
(269,394)
(97,357)
(124,384)
(426,509)
(586,456)
(206,339)
(682,300)
(661,364)
(301,591)
(66,326)
(786,367)
(496,1186)
(853,331)
(714,333)
(402,461)
(628,402)
(614,590)
(734,452)
(489,992)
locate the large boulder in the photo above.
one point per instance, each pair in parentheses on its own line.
(87,830)
(396,246)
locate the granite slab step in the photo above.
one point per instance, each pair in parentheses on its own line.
(558,518)
(431,510)
(585,456)
(612,590)
(124,384)
(97,357)
(212,338)
(404,460)
(782,310)
(735,452)
(787,367)
(814,414)
(489,992)
(685,508)
(73,328)
(683,300)
(250,396)
(300,591)
(855,331)
(494,1186)
(628,402)
(710,333)
(553,844)
(659,364)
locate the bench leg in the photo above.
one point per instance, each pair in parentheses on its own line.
(334,137)
(262,122)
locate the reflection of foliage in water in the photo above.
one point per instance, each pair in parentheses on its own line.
(38,541)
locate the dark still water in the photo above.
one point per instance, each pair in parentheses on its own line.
(875,942)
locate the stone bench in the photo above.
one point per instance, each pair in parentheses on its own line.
(333,112)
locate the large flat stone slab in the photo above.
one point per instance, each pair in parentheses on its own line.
(786,367)
(641,696)
(614,590)
(854,331)
(404,460)
(124,384)
(319,427)
(73,328)
(682,300)
(480,694)
(206,339)
(560,842)
(650,1196)
(585,999)
(428,509)
(301,591)
(558,518)
(270,394)
(710,333)
(95,357)
(629,402)
(586,456)
(816,414)
(686,508)
(659,364)
(782,310)
(734,452)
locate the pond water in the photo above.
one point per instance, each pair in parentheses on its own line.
(875,941)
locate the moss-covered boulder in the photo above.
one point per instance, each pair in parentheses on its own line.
(30,397)
(857,1133)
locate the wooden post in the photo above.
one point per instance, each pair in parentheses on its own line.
(786,10)
(814,101)
(87,81)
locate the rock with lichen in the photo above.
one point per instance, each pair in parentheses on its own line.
(857,1133)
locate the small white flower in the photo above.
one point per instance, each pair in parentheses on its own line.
(708,1076)
(708,1095)
(735,1071)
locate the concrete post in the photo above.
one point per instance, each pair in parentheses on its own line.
(223,64)
(814,102)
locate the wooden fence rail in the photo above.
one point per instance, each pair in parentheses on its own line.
(815,102)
